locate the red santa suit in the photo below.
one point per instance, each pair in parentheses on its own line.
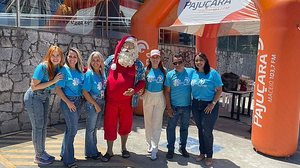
(118,107)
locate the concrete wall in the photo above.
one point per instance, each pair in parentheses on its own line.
(20,51)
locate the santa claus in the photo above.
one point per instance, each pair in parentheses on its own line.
(125,78)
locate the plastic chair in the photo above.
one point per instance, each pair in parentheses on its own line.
(226,100)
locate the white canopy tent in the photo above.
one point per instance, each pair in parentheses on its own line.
(236,17)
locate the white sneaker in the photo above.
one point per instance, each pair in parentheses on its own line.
(149,150)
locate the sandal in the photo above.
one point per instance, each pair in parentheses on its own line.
(72,165)
(125,154)
(106,157)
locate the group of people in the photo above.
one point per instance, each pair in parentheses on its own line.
(178,92)
(111,88)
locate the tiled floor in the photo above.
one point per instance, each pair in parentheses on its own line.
(232,148)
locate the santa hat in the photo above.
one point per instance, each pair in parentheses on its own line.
(119,47)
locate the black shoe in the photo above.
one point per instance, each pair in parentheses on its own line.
(170,155)
(72,165)
(184,153)
(106,157)
(125,154)
(96,157)
(61,159)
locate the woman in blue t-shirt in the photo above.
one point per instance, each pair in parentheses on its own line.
(206,90)
(154,101)
(93,91)
(36,100)
(70,91)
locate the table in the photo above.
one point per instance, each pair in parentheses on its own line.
(240,94)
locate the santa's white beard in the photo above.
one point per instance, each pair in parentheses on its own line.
(127,58)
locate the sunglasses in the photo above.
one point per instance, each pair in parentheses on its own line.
(177,63)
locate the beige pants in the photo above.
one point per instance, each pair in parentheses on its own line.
(153,107)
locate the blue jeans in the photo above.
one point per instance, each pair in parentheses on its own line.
(37,104)
(184,114)
(205,124)
(71,119)
(93,120)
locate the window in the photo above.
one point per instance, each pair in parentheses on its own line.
(242,44)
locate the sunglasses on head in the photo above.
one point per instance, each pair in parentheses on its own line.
(177,63)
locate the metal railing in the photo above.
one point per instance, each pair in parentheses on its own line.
(93,25)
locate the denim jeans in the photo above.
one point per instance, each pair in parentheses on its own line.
(93,120)
(184,114)
(36,104)
(205,124)
(71,119)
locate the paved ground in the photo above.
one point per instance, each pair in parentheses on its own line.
(232,149)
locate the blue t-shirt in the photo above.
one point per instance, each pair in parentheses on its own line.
(71,85)
(40,73)
(204,86)
(180,86)
(94,84)
(155,80)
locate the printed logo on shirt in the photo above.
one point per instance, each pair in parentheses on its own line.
(159,79)
(178,82)
(99,86)
(75,81)
(150,79)
(200,82)
(193,82)
(186,81)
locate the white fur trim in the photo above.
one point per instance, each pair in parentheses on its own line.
(113,66)
(131,39)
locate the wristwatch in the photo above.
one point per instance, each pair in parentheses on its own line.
(214,102)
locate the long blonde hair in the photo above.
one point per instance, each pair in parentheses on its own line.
(89,61)
(79,64)
(49,64)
